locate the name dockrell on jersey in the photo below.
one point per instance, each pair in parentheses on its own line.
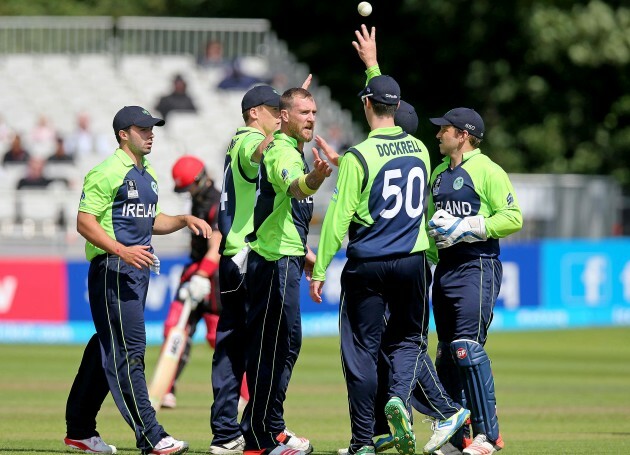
(397,148)
(139,210)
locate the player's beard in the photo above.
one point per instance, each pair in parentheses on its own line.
(301,133)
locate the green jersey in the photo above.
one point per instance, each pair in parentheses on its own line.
(380,200)
(124,200)
(478,186)
(238,195)
(281,222)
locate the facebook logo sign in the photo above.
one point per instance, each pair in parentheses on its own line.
(586,274)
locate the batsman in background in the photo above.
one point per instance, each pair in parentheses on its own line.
(198,281)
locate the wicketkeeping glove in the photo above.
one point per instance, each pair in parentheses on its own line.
(448,230)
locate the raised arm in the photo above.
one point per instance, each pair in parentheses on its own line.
(366,45)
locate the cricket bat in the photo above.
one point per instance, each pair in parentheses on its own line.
(168,362)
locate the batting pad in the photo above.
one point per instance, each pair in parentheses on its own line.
(476,374)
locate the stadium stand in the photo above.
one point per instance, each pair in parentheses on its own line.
(62,66)
(61,78)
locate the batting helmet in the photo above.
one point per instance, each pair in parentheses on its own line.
(186,171)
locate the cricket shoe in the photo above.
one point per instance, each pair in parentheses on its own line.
(292,441)
(169,446)
(400,424)
(365,450)
(481,445)
(91,445)
(444,429)
(381,444)
(233,447)
(169,401)
(277,450)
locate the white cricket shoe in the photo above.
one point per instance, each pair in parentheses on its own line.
(91,445)
(170,446)
(292,441)
(234,447)
(444,429)
(481,445)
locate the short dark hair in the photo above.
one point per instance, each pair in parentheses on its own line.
(118,137)
(286,100)
(384,110)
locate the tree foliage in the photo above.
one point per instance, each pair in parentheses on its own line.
(551,78)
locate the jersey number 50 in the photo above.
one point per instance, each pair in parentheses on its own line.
(413,192)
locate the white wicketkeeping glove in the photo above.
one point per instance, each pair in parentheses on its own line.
(155,267)
(448,230)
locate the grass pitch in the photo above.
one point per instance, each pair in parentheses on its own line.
(558,392)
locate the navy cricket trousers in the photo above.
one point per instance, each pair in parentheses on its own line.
(274,334)
(368,289)
(464,294)
(114,358)
(228,361)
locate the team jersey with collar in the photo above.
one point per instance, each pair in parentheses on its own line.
(124,200)
(281,222)
(477,186)
(380,200)
(238,194)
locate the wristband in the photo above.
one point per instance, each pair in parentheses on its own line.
(372,72)
(304,188)
(208,266)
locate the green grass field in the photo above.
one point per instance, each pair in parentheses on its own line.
(558,392)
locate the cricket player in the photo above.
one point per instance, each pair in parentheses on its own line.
(261,114)
(118,215)
(472,205)
(200,274)
(275,264)
(379,202)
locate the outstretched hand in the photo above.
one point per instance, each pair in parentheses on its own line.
(330,153)
(321,166)
(198,226)
(366,45)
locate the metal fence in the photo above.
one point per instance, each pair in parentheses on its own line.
(568,206)
(131,35)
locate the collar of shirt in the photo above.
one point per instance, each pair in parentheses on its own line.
(465,157)
(126,159)
(280,136)
(387,131)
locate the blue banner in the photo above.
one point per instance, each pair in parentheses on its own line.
(546,285)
